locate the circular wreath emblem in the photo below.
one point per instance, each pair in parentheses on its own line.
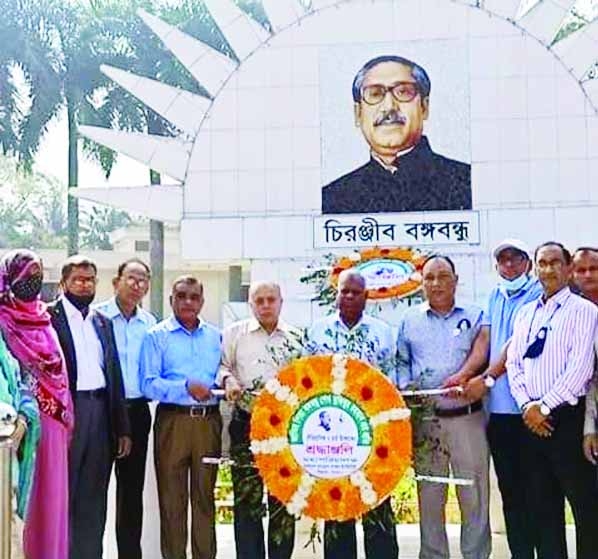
(389,272)
(331,437)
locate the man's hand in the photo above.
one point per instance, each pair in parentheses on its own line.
(199,391)
(459,379)
(124,447)
(232,389)
(537,422)
(590,447)
(475,389)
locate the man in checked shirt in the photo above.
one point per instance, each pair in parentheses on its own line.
(550,362)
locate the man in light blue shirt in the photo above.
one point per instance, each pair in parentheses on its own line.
(506,430)
(180,360)
(434,340)
(131,323)
(352,332)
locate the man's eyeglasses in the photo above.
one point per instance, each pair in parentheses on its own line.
(404,92)
(136,282)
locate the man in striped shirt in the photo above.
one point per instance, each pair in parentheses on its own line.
(585,277)
(550,362)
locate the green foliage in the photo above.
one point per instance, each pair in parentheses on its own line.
(97,223)
(32,208)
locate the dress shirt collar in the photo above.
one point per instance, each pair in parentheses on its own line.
(72,311)
(254,326)
(425,308)
(363,321)
(172,324)
(392,167)
(112,310)
(558,298)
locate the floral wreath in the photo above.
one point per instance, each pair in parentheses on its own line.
(413,258)
(372,463)
(407,260)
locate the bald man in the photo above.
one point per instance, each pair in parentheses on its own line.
(252,352)
(353,332)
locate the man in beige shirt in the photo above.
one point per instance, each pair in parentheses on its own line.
(252,352)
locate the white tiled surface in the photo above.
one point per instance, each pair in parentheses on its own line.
(525,108)
(524,122)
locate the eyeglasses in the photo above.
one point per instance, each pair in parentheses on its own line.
(404,92)
(136,282)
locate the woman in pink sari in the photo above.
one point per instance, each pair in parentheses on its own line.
(25,326)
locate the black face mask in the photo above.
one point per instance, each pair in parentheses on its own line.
(27,290)
(80,302)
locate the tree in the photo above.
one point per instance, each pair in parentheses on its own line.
(32,208)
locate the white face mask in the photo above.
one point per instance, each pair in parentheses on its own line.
(508,286)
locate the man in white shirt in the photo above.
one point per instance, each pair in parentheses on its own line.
(252,352)
(101,423)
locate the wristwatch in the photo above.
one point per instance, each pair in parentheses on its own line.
(489,381)
(544,410)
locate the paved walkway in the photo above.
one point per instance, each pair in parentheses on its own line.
(408,544)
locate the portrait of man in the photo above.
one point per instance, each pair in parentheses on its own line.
(391,102)
(325,420)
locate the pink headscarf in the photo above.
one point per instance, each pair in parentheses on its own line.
(30,337)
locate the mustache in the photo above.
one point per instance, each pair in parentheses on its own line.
(392,116)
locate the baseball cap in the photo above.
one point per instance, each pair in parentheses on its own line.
(511,243)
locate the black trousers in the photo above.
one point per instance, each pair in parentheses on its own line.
(507,438)
(379,532)
(248,509)
(130,479)
(557,466)
(90,462)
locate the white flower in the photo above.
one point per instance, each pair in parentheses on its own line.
(355,257)
(358,478)
(268,446)
(293,400)
(283,393)
(397,414)
(272,385)
(338,386)
(368,496)
(394,414)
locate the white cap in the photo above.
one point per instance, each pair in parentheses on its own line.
(511,243)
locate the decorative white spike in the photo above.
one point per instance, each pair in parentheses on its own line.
(526,6)
(184,109)
(242,32)
(164,203)
(166,155)
(208,66)
(283,13)
(505,8)
(545,19)
(579,50)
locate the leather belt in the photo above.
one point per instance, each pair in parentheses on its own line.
(457,412)
(92,394)
(136,401)
(193,411)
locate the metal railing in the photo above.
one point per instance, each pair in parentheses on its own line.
(5,497)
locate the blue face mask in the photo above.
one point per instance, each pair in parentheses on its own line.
(510,286)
